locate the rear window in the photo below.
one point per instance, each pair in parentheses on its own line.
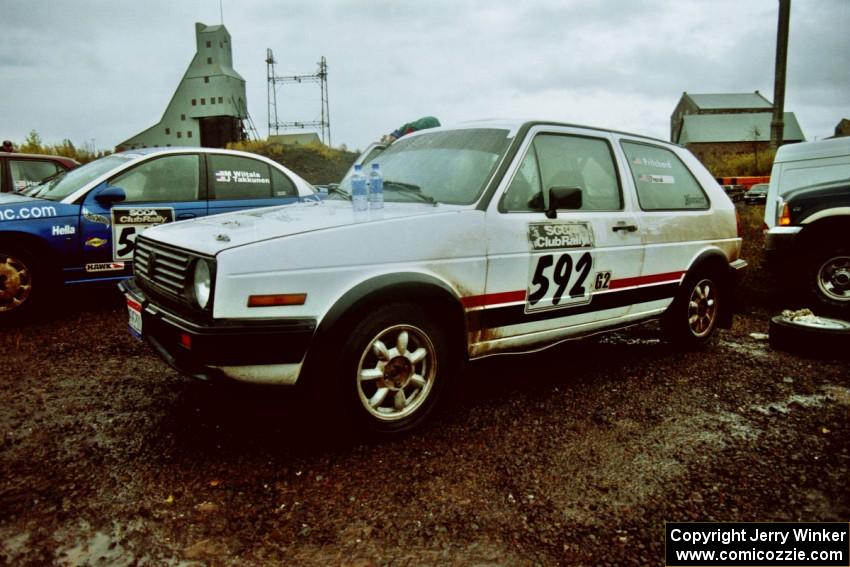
(662,181)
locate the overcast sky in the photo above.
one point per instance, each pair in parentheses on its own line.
(99,71)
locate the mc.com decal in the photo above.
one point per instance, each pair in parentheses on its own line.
(26,213)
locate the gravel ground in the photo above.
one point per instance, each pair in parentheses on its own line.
(576,455)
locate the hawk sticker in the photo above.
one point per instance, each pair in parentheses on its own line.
(105,267)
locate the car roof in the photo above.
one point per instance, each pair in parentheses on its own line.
(51,157)
(514,125)
(831,147)
(178,149)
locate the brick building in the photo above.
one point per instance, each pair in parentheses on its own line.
(727,124)
(842,128)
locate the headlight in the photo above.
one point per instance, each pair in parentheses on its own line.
(202,283)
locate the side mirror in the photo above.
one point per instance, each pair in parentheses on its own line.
(563,198)
(110,195)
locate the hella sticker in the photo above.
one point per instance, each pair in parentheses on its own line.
(105,267)
(66,230)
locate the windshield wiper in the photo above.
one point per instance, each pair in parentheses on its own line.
(333,188)
(409,189)
(35,190)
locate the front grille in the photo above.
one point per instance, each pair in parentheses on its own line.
(162,267)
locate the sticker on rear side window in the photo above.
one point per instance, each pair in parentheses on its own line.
(237,176)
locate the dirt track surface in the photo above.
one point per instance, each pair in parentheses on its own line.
(576,455)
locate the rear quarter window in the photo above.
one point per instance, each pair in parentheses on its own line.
(238,177)
(662,181)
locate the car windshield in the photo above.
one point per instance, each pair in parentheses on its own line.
(60,186)
(450,166)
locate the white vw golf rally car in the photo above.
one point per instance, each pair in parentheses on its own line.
(495,237)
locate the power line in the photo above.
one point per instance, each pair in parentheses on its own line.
(320,77)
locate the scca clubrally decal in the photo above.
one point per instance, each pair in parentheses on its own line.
(559,235)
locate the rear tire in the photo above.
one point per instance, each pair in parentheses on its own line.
(692,318)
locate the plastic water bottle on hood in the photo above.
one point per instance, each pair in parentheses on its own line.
(359,197)
(376,188)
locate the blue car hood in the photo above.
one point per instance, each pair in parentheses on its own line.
(14,207)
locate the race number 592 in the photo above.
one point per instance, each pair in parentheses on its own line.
(557,280)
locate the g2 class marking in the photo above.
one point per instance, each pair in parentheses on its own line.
(602,281)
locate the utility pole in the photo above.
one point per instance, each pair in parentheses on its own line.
(777,125)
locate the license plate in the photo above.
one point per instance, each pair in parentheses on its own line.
(134,310)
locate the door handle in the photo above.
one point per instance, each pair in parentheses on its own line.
(185,216)
(624,226)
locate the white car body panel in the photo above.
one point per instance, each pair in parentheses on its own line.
(483,255)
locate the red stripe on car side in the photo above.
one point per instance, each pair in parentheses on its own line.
(646,280)
(492,299)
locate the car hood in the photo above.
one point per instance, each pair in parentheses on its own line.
(15,199)
(15,207)
(210,235)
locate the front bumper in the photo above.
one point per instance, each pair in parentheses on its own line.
(780,245)
(267,352)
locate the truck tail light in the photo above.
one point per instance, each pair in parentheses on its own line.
(738,224)
(785,216)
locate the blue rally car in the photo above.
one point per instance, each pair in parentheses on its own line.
(79,226)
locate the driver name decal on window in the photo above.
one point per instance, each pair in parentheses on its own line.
(647,178)
(651,162)
(237,176)
(556,235)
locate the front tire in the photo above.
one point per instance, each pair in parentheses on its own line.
(393,368)
(20,285)
(692,318)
